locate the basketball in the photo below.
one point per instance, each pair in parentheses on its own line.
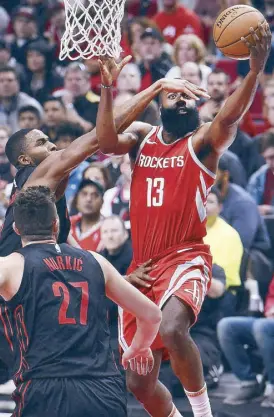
(232,24)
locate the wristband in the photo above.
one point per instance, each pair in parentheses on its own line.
(106,86)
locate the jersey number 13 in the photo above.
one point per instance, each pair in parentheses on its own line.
(155,192)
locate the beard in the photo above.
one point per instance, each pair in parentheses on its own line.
(179,125)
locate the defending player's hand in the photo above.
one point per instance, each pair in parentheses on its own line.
(259,48)
(139,360)
(140,277)
(110,69)
(183,86)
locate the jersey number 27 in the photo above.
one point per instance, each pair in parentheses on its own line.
(155,192)
(61,290)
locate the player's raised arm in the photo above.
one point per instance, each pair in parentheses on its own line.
(59,164)
(222,130)
(148,315)
(111,121)
(105,120)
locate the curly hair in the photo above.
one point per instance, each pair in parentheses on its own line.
(35,212)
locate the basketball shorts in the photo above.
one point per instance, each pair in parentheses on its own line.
(71,397)
(183,273)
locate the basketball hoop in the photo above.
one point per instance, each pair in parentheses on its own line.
(93,28)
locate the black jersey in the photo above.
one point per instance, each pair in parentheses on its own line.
(60,317)
(9,240)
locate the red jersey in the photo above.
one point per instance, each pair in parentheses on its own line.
(91,239)
(169,190)
(180,21)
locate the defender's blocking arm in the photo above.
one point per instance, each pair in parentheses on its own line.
(59,164)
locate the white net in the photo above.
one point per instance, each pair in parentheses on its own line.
(93,28)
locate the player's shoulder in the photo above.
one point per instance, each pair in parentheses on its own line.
(103,263)
(99,258)
(202,129)
(198,135)
(140,128)
(11,261)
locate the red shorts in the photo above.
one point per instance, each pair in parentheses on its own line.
(184,273)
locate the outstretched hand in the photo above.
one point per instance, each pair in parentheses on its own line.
(259,47)
(110,69)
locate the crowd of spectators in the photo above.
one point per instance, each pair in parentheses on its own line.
(166,38)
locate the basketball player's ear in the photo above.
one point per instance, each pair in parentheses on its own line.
(24,160)
(15,229)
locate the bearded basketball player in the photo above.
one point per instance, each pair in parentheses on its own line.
(174,170)
(38,163)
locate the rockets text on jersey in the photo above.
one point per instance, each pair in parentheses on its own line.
(168,196)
